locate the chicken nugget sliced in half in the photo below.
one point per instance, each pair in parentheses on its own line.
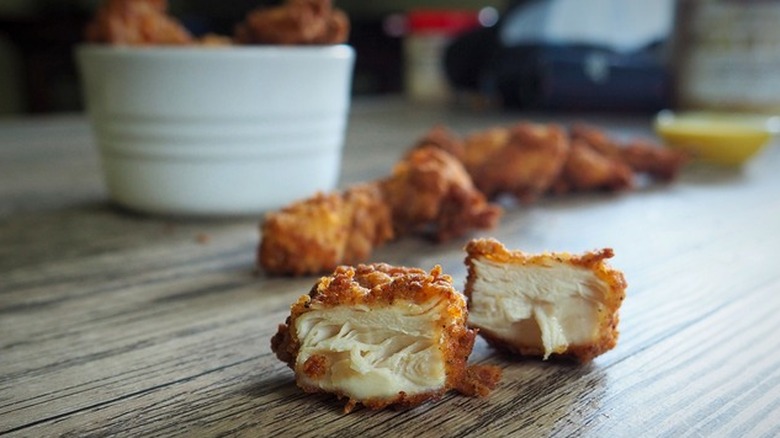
(545,304)
(379,335)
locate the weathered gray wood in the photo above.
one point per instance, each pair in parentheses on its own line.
(113,323)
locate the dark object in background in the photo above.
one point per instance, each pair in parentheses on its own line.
(560,77)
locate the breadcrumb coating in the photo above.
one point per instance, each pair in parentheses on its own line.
(524,160)
(544,304)
(430,192)
(146,22)
(136,22)
(641,156)
(587,170)
(295,22)
(317,234)
(380,335)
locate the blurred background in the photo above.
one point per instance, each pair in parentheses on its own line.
(606,55)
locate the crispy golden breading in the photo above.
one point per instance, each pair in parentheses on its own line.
(136,22)
(640,155)
(294,22)
(660,163)
(587,169)
(215,40)
(429,191)
(443,138)
(545,304)
(481,145)
(317,234)
(525,161)
(380,335)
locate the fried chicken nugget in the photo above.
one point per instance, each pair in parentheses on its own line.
(586,169)
(430,191)
(136,22)
(660,163)
(380,335)
(294,22)
(441,137)
(317,234)
(545,304)
(641,156)
(524,161)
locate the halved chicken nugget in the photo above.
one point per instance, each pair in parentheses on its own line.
(545,304)
(382,335)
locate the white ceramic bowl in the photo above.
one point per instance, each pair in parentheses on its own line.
(217,131)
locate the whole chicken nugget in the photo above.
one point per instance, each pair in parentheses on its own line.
(430,191)
(380,335)
(640,155)
(545,304)
(136,22)
(441,137)
(660,163)
(294,22)
(317,234)
(526,165)
(587,169)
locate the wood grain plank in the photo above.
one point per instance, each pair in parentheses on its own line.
(119,324)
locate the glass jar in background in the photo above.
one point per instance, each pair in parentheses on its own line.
(727,55)
(428,34)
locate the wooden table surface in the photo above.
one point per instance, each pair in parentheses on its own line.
(116,323)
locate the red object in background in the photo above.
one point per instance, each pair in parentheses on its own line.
(441,21)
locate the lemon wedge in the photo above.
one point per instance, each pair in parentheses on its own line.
(720,138)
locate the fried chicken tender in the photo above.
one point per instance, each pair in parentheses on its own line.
(136,22)
(317,234)
(545,304)
(660,163)
(586,170)
(641,156)
(524,160)
(430,191)
(294,22)
(443,138)
(380,335)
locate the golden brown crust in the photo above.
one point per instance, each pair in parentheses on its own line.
(639,155)
(294,22)
(322,232)
(524,161)
(587,169)
(480,380)
(379,286)
(370,224)
(660,163)
(594,261)
(429,188)
(305,237)
(429,192)
(136,22)
(215,40)
(439,136)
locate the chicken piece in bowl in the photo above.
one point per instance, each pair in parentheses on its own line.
(545,304)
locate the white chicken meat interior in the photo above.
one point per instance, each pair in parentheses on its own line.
(375,352)
(547,307)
